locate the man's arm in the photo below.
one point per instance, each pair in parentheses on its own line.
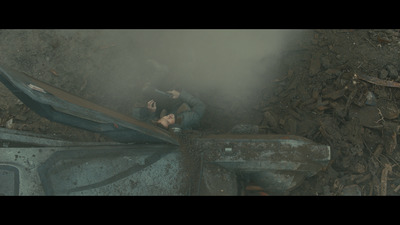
(146,113)
(197,106)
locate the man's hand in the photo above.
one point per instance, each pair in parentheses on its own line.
(175,94)
(151,105)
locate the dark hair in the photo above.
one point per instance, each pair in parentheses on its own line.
(161,126)
(178,121)
(157,124)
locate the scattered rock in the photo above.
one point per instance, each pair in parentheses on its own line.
(9,123)
(333,71)
(326,190)
(270,120)
(368,116)
(370,99)
(315,65)
(351,190)
(383,74)
(291,126)
(325,62)
(388,109)
(359,168)
(393,73)
(21,117)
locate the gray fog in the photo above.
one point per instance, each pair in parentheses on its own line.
(218,60)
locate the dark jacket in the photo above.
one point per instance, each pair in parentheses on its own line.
(184,120)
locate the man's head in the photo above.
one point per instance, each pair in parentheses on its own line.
(167,120)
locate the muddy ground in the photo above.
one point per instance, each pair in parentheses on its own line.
(311,92)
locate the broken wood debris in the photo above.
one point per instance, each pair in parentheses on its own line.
(363,178)
(383,40)
(54,72)
(336,94)
(378,151)
(377,81)
(397,188)
(353,113)
(9,123)
(384,178)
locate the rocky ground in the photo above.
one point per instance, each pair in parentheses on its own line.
(346,96)
(335,87)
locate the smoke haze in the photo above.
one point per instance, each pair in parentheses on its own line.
(230,70)
(226,61)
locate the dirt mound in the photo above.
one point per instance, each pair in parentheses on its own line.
(322,98)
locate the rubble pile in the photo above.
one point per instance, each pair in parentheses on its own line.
(329,97)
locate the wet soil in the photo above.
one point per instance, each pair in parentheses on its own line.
(313,92)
